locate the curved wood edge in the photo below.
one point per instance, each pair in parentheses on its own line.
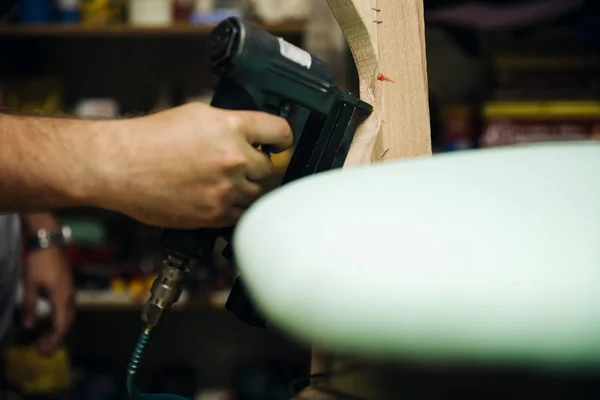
(385,37)
(388,37)
(356,19)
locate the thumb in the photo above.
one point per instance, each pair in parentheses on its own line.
(29,302)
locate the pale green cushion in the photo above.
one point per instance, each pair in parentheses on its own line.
(476,255)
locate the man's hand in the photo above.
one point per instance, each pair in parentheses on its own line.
(46,273)
(191,166)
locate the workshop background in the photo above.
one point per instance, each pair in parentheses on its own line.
(500,72)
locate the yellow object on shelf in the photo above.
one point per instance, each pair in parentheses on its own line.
(37,95)
(136,288)
(117,285)
(34,374)
(537,109)
(100,12)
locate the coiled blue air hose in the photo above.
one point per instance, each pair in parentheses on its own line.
(132,370)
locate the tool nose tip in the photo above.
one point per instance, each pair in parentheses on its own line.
(221,43)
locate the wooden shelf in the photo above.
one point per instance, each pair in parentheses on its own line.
(127,30)
(105,300)
(92,299)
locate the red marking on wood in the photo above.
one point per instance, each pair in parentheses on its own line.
(384,78)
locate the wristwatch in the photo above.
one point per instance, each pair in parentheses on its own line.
(45,238)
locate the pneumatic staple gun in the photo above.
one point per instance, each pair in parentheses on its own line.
(262,72)
(259,71)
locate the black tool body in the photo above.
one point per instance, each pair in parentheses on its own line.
(259,71)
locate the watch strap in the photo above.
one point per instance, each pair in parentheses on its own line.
(47,238)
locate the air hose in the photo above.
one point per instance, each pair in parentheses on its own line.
(132,370)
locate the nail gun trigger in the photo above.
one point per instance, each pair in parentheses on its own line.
(266,150)
(283,110)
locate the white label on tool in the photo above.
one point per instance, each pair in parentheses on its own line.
(294,53)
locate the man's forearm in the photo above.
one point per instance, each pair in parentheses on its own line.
(188,167)
(47,163)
